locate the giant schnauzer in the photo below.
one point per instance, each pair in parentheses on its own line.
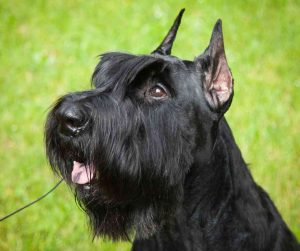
(149,153)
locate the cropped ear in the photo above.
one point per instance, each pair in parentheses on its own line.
(166,45)
(217,81)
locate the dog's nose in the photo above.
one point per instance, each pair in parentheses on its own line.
(72,119)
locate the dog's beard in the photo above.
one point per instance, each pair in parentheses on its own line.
(117,202)
(142,210)
(127,171)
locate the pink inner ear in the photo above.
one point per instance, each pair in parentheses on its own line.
(222,82)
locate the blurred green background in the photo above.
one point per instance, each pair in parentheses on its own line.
(48,48)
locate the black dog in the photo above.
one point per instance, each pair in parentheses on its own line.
(148,151)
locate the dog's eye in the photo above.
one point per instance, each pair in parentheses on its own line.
(158,92)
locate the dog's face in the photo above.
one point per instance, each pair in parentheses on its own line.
(126,145)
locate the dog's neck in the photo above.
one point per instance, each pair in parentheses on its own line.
(210,186)
(219,196)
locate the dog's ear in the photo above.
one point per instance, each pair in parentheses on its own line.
(166,45)
(217,79)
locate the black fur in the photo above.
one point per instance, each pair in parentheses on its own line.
(167,169)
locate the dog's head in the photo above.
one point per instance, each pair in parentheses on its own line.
(126,145)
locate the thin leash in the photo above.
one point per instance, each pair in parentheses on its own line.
(33,202)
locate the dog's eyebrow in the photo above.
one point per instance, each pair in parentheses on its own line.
(117,68)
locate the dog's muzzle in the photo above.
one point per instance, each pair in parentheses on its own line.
(72,119)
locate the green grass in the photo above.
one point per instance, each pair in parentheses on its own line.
(48,48)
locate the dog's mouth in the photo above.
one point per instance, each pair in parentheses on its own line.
(82,173)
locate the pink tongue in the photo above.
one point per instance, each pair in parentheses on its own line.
(82,174)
